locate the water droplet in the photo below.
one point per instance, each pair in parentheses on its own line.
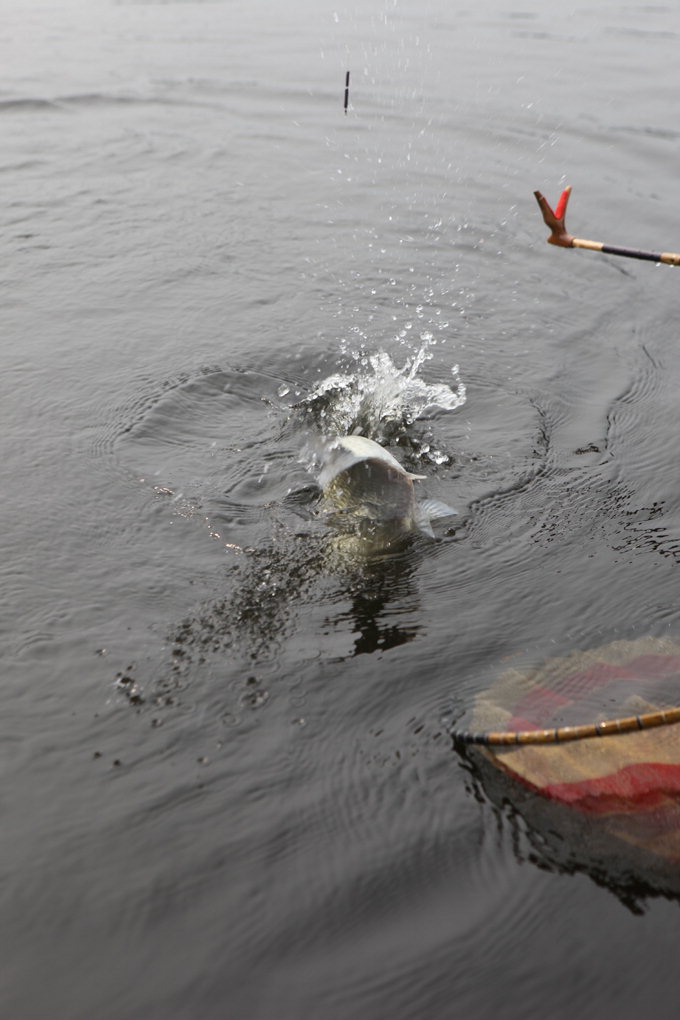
(255,699)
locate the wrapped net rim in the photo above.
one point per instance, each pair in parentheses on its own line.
(563,734)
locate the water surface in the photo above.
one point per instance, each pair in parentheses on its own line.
(229,788)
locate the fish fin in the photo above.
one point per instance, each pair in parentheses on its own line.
(425,527)
(434,508)
(421,519)
(411,475)
(430,509)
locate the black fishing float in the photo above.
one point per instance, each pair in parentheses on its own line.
(346,91)
(559,236)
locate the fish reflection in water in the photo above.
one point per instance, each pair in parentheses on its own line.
(370,503)
(373,607)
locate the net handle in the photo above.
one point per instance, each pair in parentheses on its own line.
(563,734)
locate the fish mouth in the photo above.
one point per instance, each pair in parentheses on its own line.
(367,493)
(366,519)
(375,491)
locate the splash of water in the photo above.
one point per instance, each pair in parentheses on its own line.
(380,400)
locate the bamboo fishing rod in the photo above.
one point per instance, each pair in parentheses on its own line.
(554,219)
(564,734)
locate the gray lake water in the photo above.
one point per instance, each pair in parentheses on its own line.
(229,788)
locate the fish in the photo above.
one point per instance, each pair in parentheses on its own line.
(369,492)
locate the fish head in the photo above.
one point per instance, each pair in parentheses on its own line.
(373,491)
(369,494)
(365,485)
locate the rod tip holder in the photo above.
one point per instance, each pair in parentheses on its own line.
(555,219)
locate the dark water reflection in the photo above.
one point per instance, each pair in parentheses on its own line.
(374,602)
(564,841)
(371,605)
